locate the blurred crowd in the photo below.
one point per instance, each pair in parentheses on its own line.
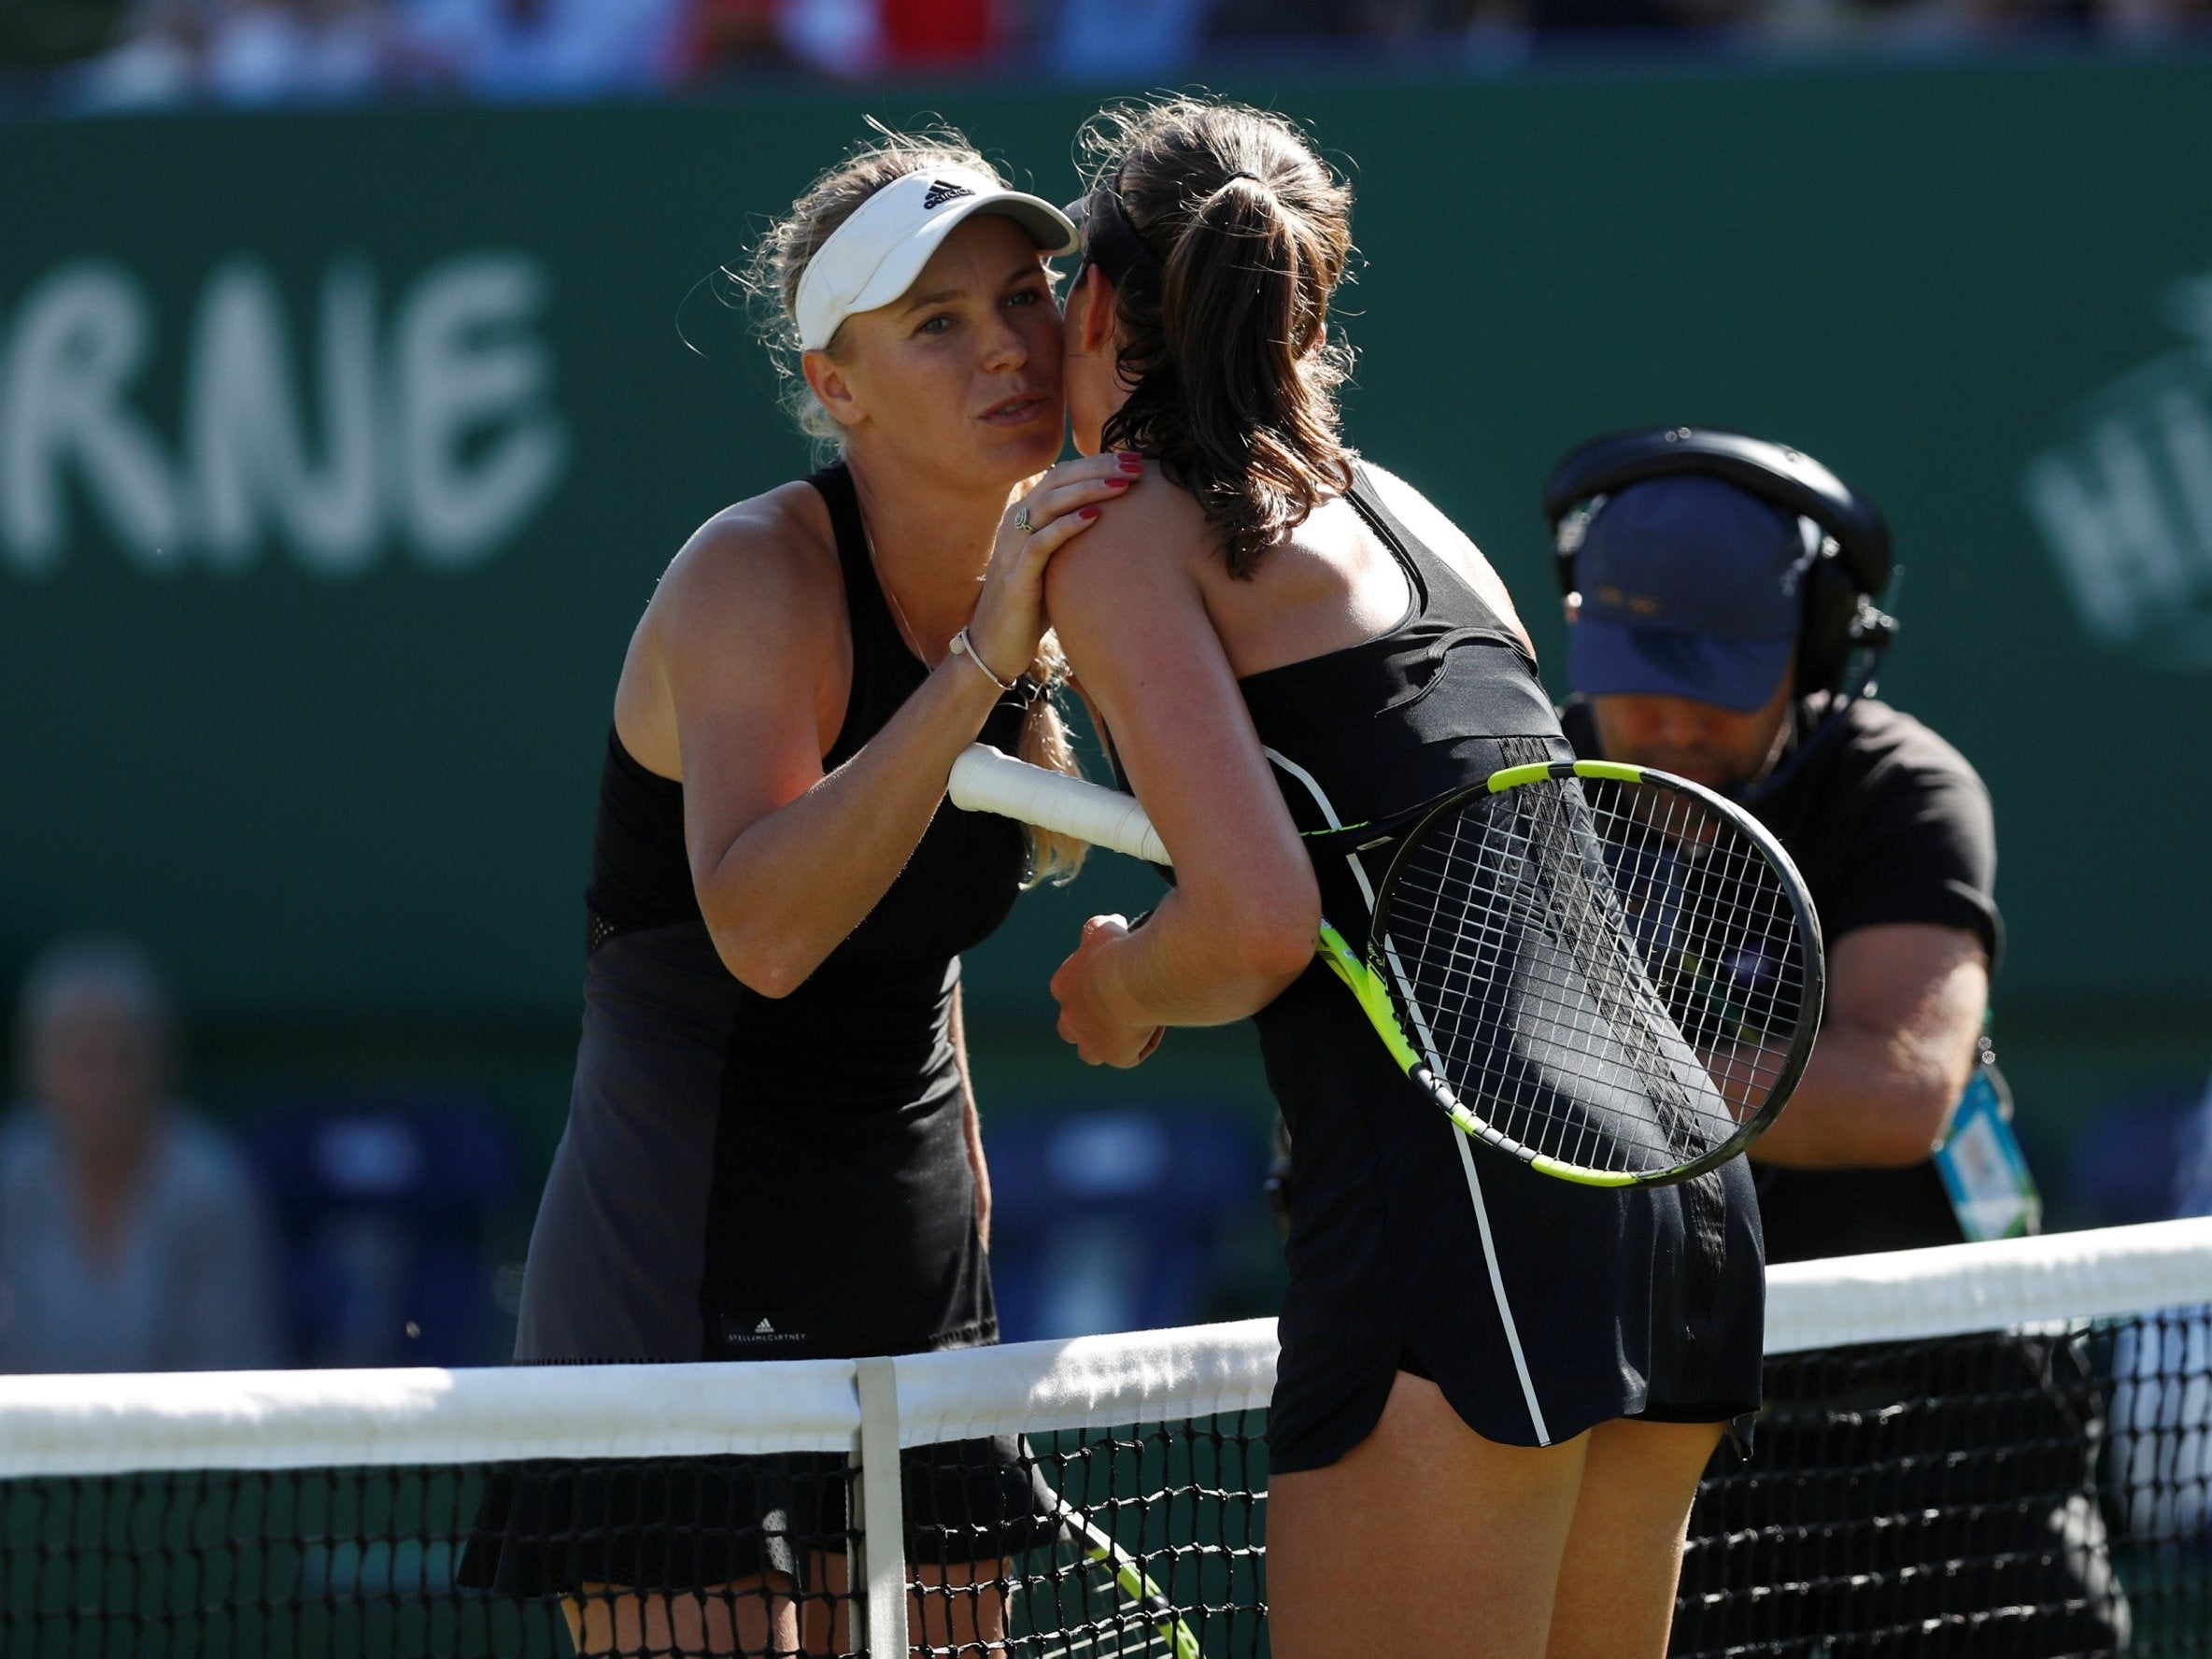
(352,1227)
(132,1238)
(369,1226)
(379,1226)
(108,54)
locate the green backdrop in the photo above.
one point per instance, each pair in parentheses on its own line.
(338,453)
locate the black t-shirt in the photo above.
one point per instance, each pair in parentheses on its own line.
(1888,823)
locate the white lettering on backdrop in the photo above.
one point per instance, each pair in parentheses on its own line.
(2124,498)
(433,431)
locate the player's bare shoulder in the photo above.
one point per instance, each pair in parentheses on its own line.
(769,558)
(1153,530)
(1418,514)
(755,590)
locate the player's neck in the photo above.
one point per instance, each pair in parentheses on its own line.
(929,537)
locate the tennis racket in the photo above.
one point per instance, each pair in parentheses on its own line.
(1093,1599)
(1607,971)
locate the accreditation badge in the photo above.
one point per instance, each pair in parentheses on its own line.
(1982,1167)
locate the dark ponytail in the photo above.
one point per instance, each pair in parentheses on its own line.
(1225,335)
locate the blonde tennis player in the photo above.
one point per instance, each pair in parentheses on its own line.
(770,1150)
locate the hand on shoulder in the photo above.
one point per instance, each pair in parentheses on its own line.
(1155,536)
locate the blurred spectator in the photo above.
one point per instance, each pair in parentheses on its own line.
(240,52)
(130,1237)
(275,51)
(855,39)
(723,35)
(843,37)
(155,53)
(543,48)
(837,37)
(933,35)
(155,60)
(1112,40)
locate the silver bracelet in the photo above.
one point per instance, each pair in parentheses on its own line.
(963,646)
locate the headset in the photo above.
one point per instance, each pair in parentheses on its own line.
(1849,571)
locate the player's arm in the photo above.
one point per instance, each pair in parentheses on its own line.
(786,860)
(1905,1001)
(1241,922)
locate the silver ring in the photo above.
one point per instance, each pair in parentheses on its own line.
(1021,520)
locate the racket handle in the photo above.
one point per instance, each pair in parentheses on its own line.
(984,780)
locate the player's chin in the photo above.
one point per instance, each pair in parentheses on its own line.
(1027,443)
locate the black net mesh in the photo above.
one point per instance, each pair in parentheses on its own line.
(2031,1495)
(1133,1541)
(1144,1540)
(2041,1493)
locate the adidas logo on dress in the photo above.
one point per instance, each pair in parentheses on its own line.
(744,1336)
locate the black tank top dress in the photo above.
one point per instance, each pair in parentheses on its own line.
(1538,1307)
(747,1177)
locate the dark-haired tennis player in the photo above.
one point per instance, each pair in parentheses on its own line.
(1496,1390)
(770,1150)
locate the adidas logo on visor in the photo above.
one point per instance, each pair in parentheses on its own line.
(941,192)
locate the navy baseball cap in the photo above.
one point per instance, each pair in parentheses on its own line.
(1690,587)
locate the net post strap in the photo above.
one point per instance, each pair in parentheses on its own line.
(883,1505)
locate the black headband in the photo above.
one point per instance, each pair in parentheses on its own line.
(1110,241)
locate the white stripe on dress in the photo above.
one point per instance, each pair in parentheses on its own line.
(1467,1156)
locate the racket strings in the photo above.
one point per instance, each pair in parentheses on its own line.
(1481,907)
(1718,935)
(1584,915)
(1588,913)
(1605,973)
(1497,923)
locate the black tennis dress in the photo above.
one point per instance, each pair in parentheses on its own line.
(1540,1308)
(750,1178)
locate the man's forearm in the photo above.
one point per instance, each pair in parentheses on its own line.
(1866,1101)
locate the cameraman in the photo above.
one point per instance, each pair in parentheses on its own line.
(1720,594)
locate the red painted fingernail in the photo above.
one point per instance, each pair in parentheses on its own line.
(1131,461)
(1088,512)
(1119,483)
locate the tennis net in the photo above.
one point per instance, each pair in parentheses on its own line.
(2001,1449)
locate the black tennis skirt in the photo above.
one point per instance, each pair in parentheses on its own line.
(1538,1307)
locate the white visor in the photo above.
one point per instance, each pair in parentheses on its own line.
(875,256)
